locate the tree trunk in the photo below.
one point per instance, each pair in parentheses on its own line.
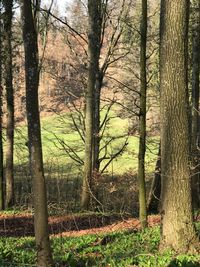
(153,203)
(9,175)
(44,257)
(177,229)
(142,118)
(195,140)
(94,33)
(97,101)
(1,113)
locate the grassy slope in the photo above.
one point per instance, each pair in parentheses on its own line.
(56,126)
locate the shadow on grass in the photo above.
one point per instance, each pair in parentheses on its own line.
(116,193)
(184,263)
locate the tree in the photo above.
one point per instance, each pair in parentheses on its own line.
(142,117)
(77,66)
(195,139)
(153,203)
(94,36)
(44,257)
(1,113)
(178,231)
(154,197)
(108,30)
(110,41)
(7,34)
(77,14)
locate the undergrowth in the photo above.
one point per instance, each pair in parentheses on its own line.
(136,248)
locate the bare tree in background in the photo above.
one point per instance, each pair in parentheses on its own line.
(94,36)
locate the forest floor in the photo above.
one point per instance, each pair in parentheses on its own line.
(21,225)
(90,239)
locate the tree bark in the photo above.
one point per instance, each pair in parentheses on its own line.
(1,113)
(94,33)
(9,174)
(142,118)
(195,140)
(177,229)
(44,257)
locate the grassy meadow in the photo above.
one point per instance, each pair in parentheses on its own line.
(64,175)
(58,128)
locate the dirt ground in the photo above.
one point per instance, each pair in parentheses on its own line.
(19,225)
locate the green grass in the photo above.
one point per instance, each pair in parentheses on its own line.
(115,250)
(62,172)
(56,127)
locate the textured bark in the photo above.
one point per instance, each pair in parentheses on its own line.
(94,11)
(1,112)
(195,140)
(44,257)
(142,118)
(177,230)
(9,175)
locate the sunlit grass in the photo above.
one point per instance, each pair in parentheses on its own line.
(58,128)
(120,249)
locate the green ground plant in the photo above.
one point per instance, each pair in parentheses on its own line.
(122,249)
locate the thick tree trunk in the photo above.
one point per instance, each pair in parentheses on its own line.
(1,113)
(44,257)
(94,32)
(142,118)
(195,140)
(9,175)
(178,231)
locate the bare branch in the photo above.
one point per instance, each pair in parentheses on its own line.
(78,129)
(64,22)
(106,115)
(123,84)
(115,155)
(45,34)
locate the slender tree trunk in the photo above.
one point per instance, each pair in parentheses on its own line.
(96,147)
(195,140)
(9,175)
(153,202)
(1,113)
(88,150)
(142,119)
(44,257)
(177,230)
(96,139)
(94,10)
